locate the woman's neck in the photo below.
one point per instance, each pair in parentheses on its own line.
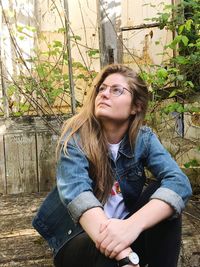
(115,132)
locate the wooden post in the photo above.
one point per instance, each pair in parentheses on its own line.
(69,58)
(2,73)
(3,88)
(3,182)
(110,37)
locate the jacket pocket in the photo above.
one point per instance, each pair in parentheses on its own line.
(135,173)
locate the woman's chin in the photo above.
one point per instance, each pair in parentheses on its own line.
(103,116)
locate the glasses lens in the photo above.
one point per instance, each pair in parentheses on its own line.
(116,90)
(101,88)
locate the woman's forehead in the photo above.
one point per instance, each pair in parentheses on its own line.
(116,78)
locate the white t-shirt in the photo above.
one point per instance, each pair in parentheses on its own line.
(114,207)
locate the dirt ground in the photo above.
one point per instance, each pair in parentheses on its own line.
(21,246)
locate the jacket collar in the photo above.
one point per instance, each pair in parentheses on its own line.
(125,147)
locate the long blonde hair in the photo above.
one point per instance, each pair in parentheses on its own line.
(93,140)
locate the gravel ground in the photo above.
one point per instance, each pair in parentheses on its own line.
(21,246)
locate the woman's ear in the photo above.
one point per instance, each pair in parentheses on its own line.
(133,111)
(136,109)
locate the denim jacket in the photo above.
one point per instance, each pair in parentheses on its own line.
(58,216)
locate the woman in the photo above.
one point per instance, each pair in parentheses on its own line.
(98,214)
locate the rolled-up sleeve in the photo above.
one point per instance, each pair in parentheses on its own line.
(175,186)
(75,186)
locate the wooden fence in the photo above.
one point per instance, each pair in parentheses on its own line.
(27,155)
(28,160)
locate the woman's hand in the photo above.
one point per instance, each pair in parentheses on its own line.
(116,235)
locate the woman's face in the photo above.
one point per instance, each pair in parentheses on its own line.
(109,107)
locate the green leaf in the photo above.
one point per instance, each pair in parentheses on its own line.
(188,24)
(30,28)
(181,60)
(187,165)
(185,40)
(181,28)
(65,76)
(41,71)
(65,56)
(180,77)
(93,52)
(192,163)
(191,45)
(57,44)
(20,28)
(17,114)
(76,37)
(189,83)
(21,37)
(11,90)
(173,93)
(61,30)
(81,76)
(162,73)
(176,40)
(77,65)
(24,107)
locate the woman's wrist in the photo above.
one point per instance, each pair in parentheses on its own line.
(124,253)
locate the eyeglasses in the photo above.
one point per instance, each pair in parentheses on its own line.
(115,90)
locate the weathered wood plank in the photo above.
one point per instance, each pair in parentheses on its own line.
(46,154)
(2,167)
(20,158)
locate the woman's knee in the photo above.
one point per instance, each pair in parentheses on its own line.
(80,252)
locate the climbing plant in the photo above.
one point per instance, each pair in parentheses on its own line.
(45,86)
(179,76)
(175,84)
(41,83)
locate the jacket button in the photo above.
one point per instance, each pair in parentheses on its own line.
(69,232)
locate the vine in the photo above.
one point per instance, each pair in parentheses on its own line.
(41,86)
(175,84)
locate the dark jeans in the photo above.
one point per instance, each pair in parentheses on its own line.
(158,246)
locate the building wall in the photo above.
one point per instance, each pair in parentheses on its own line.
(142,42)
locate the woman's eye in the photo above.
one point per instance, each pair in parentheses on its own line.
(101,88)
(116,89)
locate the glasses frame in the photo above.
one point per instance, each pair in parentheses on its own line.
(108,86)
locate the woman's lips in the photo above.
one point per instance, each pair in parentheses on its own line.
(104,104)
